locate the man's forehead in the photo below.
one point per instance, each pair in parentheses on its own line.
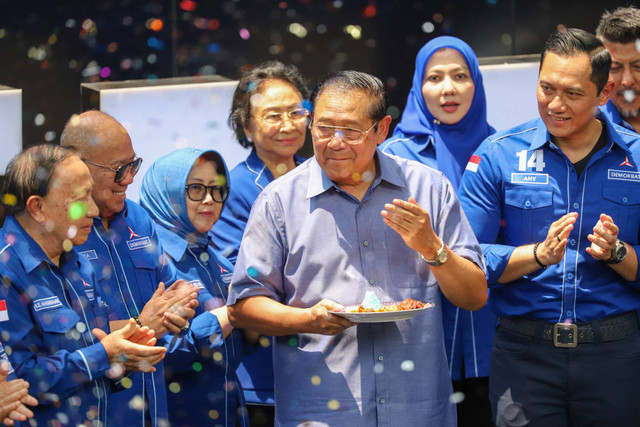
(341,101)
(71,176)
(623,51)
(111,150)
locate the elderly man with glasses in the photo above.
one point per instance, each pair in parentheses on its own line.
(124,250)
(347,221)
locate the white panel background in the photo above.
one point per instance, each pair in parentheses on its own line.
(10,125)
(161,119)
(511,93)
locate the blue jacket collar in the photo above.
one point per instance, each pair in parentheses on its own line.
(174,245)
(263,175)
(31,254)
(542,135)
(611,113)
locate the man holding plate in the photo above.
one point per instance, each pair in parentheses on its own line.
(316,241)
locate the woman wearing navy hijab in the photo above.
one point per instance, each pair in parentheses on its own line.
(184,193)
(443,123)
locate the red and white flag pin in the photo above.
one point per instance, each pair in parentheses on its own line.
(4,313)
(474,161)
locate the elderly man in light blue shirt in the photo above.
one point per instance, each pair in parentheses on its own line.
(316,240)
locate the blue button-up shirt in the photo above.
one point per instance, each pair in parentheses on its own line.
(50,313)
(248,179)
(307,240)
(612,114)
(129,263)
(519,183)
(468,335)
(206,373)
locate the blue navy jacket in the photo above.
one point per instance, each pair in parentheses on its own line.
(51,312)
(129,263)
(248,180)
(468,335)
(518,183)
(207,370)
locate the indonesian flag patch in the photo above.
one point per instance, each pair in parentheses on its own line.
(474,161)
(4,313)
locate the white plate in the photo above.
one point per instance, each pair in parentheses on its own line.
(381,316)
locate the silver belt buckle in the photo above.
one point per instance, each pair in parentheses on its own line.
(570,330)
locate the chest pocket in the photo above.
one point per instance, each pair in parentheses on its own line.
(622,203)
(145,265)
(55,325)
(522,205)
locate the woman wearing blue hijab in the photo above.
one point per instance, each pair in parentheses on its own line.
(184,192)
(443,123)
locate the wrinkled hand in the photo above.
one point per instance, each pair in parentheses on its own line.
(13,398)
(603,239)
(551,250)
(323,322)
(413,223)
(157,313)
(131,347)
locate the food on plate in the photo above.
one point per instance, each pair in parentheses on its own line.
(407,304)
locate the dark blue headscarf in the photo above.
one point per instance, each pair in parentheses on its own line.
(163,195)
(454,144)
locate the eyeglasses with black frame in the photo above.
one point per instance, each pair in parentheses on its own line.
(133,167)
(274,118)
(198,192)
(349,135)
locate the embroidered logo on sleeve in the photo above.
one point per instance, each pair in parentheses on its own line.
(4,313)
(46,303)
(473,164)
(90,254)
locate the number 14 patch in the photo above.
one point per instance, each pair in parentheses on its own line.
(536,160)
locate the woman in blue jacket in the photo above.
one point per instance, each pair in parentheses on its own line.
(444,121)
(184,193)
(269,114)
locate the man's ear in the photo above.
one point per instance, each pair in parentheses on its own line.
(383,129)
(35,207)
(605,93)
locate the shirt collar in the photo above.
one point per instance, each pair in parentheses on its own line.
(174,245)
(262,172)
(609,110)
(30,253)
(420,143)
(542,135)
(97,221)
(386,170)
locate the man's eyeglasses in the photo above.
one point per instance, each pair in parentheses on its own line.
(133,167)
(197,192)
(295,116)
(348,135)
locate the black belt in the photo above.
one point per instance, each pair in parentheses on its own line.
(570,334)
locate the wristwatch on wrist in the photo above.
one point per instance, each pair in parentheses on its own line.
(441,257)
(618,253)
